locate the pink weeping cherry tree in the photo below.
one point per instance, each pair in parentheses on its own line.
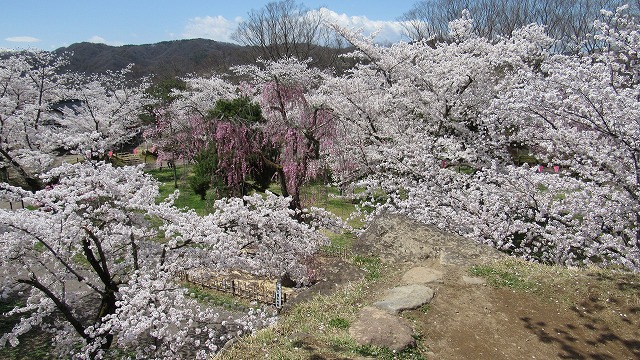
(298,124)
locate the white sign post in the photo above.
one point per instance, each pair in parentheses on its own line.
(278,295)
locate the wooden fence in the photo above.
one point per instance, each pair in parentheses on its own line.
(129,159)
(261,291)
(12,205)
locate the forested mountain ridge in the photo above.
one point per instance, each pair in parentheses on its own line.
(164,59)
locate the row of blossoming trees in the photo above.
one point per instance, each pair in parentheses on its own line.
(428,131)
(408,109)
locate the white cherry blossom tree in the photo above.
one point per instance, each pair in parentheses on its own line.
(45,111)
(100,278)
(429,130)
(412,107)
(107,114)
(581,114)
(29,84)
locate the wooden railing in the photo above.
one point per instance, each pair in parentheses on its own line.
(261,291)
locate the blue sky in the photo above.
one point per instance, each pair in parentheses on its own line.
(50,24)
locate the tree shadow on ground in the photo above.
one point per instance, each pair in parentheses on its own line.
(607,327)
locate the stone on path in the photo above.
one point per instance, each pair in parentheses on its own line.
(379,328)
(405,298)
(422,275)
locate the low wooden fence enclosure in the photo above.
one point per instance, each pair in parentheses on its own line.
(12,205)
(264,291)
(260,290)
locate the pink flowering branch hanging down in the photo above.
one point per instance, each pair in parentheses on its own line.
(297,122)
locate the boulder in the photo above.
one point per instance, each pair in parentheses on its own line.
(396,238)
(377,327)
(405,298)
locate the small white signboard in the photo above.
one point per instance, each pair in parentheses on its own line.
(278,294)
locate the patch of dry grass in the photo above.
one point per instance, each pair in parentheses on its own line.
(313,326)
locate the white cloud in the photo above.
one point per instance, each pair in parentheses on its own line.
(27,39)
(219,28)
(387,31)
(100,40)
(215,28)
(97,39)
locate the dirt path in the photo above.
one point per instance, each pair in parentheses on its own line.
(483,322)
(475,321)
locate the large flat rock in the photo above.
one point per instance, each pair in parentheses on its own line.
(379,328)
(405,298)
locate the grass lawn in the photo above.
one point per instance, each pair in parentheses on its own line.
(187,198)
(318,195)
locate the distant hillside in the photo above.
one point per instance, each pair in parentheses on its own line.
(165,59)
